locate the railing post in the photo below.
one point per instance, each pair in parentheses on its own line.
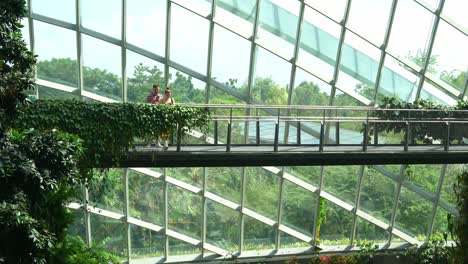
(407,130)
(322,132)
(257,132)
(447,137)
(337,133)
(275,145)
(179,137)
(376,134)
(228,144)
(298,132)
(216,132)
(366,136)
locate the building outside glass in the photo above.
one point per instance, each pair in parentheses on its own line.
(260,52)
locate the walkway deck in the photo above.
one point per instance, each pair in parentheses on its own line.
(251,155)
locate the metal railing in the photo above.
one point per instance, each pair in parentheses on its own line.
(452,122)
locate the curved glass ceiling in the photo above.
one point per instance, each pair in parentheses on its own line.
(311,52)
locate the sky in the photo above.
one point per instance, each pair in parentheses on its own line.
(146,25)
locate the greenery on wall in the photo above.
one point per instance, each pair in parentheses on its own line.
(422,132)
(460,226)
(108,130)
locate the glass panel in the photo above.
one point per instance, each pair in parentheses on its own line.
(369,19)
(426,176)
(56,50)
(377,195)
(146,24)
(185,88)
(341,181)
(336,226)
(112,231)
(222,226)
(413,214)
(319,44)
(189,45)
(298,208)
(441,224)
(146,243)
(310,90)
(142,73)
(358,70)
(193,176)
(108,22)
(184,211)
(431,4)
(434,93)
(309,174)
(454,9)
(238,16)
(288,241)
(218,96)
(106,190)
(367,231)
(77,228)
(344,99)
(202,7)
(258,235)
(397,81)
(25,32)
(278,26)
(333,8)
(50,93)
(58,9)
(146,197)
(231,55)
(450,52)
(225,182)
(101,71)
(447,193)
(271,83)
(178,247)
(411,29)
(262,191)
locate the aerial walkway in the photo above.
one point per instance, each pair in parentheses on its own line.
(314,136)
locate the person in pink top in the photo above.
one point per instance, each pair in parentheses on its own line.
(154,98)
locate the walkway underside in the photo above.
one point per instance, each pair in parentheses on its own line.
(238,156)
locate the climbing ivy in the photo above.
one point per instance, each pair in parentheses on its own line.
(108,130)
(424,132)
(460,225)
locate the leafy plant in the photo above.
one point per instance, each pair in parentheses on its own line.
(16,61)
(460,225)
(108,130)
(38,174)
(426,133)
(77,252)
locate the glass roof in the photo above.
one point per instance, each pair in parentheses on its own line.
(273,52)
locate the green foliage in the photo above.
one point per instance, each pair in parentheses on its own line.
(423,132)
(77,252)
(38,174)
(16,62)
(322,217)
(461,224)
(108,130)
(436,252)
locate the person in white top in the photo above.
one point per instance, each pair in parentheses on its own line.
(167,99)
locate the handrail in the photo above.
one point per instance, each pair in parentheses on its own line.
(302,107)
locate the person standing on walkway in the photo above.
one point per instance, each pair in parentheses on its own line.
(154,98)
(167,99)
